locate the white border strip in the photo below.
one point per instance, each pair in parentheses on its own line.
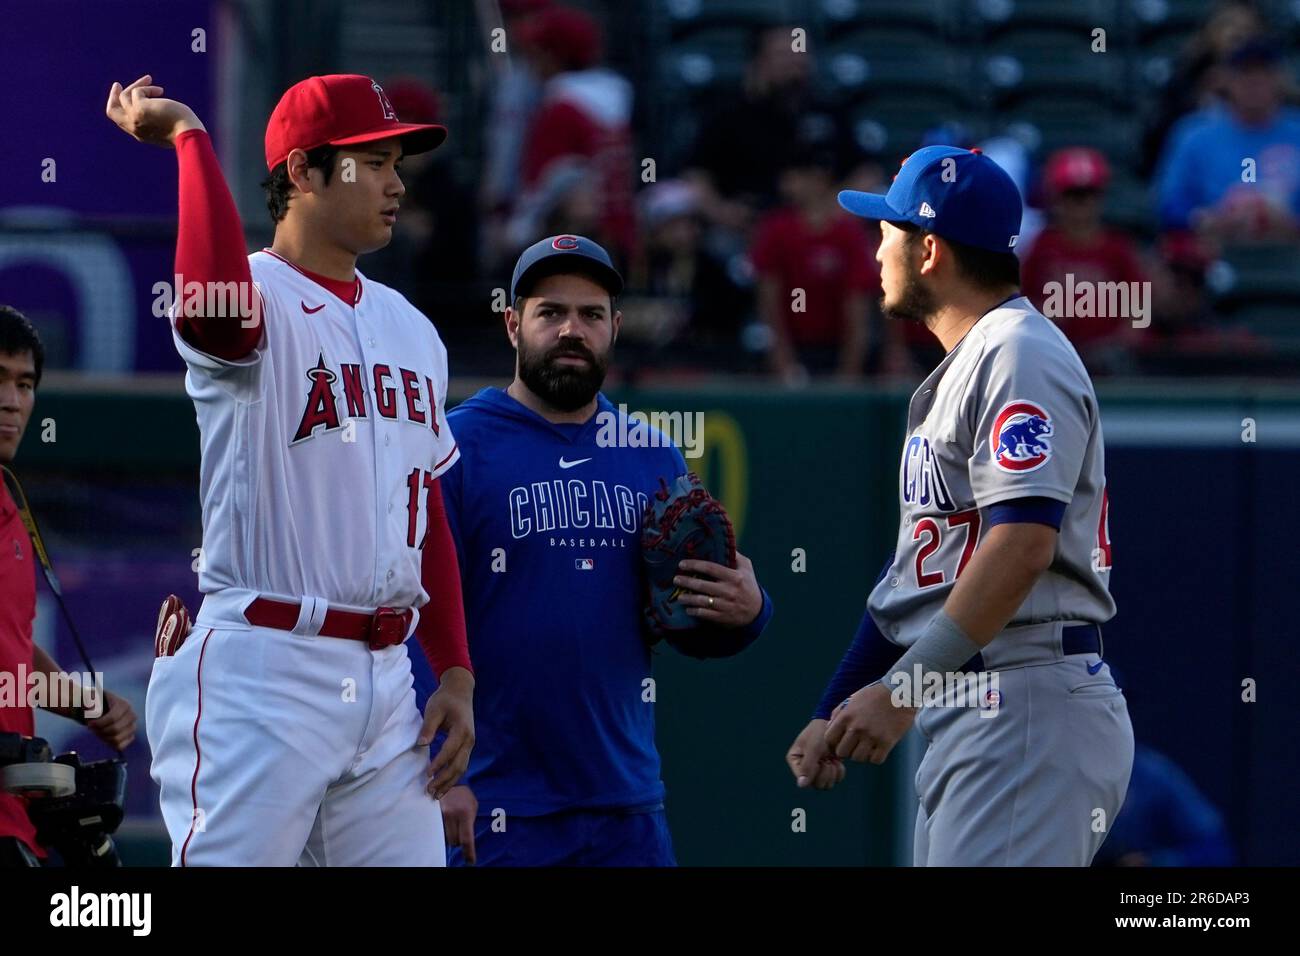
(1200,428)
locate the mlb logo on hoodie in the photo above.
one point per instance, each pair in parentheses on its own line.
(585,564)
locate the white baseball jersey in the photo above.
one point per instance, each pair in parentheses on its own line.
(320,448)
(319,451)
(1009,413)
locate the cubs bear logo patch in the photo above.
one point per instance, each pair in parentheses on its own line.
(1019,438)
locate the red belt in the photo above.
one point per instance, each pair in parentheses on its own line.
(386,627)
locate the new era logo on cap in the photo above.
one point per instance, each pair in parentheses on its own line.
(927,210)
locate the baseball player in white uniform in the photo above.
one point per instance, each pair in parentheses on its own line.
(284,730)
(1003,558)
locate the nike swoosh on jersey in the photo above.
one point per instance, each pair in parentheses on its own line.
(1093,668)
(311,311)
(570,464)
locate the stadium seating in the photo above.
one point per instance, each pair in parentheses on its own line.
(1168,18)
(937,18)
(991,18)
(710,59)
(685,17)
(1069,120)
(1048,62)
(894,125)
(1258,287)
(871,63)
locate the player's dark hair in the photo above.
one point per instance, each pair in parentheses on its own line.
(982,268)
(278,187)
(17,335)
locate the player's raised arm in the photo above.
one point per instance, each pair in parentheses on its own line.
(210,242)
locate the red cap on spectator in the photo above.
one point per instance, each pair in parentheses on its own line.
(413,99)
(1076,167)
(341,110)
(569,35)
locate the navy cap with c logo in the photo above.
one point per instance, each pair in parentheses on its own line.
(556,255)
(959,194)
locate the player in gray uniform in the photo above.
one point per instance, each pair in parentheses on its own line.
(1002,567)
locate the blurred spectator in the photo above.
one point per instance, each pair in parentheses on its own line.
(516,94)
(816,275)
(681,294)
(1198,77)
(1076,248)
(580,138)
(437,245)
(1186,335)
(1204,182)
(1165,820)
(1182,301)
(738,159)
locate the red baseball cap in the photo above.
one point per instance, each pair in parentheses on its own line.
(341,110)
(569,35)
(1076,167)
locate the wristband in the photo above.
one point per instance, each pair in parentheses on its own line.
(942,648)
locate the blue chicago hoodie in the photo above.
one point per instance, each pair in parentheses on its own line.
(547,525)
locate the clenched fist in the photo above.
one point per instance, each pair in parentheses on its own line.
(811,760)
(867,725)
(142,112)
(116,725)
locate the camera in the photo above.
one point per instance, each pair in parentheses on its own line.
(75,806)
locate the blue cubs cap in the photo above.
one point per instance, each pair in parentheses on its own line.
(958,194)
(557,255)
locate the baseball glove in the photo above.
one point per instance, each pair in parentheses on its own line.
(173,627)
(682,521)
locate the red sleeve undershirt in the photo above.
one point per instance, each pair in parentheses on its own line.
(441,628)
(210,248)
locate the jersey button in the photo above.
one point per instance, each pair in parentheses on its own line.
(385,439)
(893,582)
(907,520)
(390,575)
(370,342)
(390,509)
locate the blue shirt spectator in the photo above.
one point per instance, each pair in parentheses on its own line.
(1165,821)
(1235,170)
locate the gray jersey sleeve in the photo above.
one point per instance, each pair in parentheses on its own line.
(1032,413)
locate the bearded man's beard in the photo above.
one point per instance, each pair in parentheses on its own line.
(563,387)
